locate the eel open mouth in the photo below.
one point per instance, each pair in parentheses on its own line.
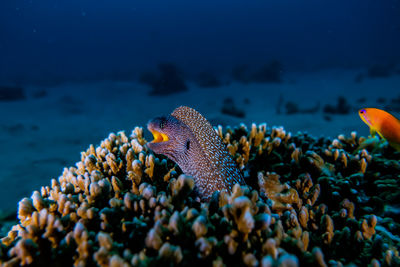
(158,136)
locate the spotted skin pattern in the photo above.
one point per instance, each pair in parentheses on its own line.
(197,149)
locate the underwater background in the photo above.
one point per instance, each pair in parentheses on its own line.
(72,72)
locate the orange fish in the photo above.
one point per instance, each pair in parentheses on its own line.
(383,123)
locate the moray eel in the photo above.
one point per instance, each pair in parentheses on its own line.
(383,123)
(187,138)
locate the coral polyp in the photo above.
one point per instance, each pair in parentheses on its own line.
(308,201)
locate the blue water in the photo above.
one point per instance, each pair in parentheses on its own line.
(117,39)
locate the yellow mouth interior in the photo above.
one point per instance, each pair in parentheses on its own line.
(159,137)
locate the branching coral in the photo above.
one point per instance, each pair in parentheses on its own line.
(307,202)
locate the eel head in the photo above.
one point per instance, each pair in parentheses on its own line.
(171,137)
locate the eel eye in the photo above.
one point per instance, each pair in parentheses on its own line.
(187,144)
(362,111)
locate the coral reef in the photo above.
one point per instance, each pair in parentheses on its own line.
(293,108)
(381,70)
(11,93)
(240,74)
(69,105)
(169,80)
(207,79)
(359,78)
(7,220)
(377,71)
(308,201)
(229,108)
(381,100)
(40,93)
(342,107)
(361,100)
(268,73)
(394,104)
(14,128)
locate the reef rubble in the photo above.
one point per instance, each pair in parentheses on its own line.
(308,202)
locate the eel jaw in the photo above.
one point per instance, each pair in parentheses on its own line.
(158,136)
